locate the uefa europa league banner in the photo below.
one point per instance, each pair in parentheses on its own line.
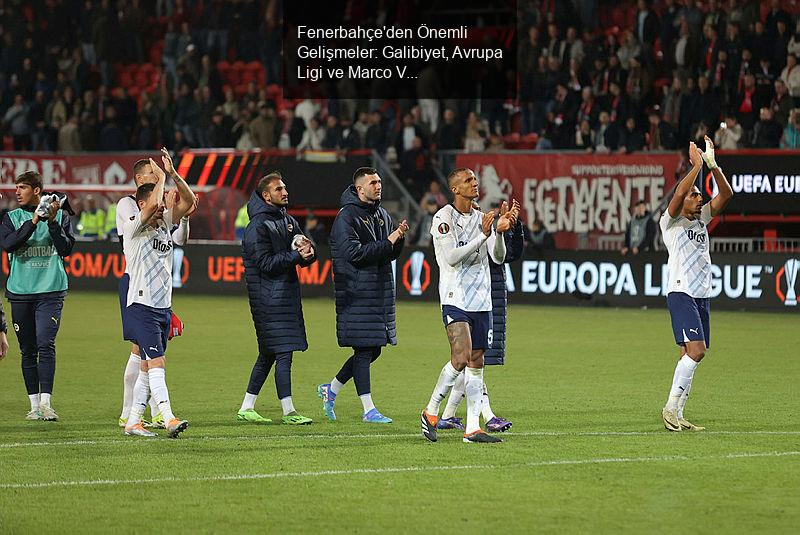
(766,281)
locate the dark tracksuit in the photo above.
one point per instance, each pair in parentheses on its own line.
(36,287)
(364,284)
(274,292)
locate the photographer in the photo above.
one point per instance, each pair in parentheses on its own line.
(728,134)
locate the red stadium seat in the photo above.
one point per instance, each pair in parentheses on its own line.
(124,78)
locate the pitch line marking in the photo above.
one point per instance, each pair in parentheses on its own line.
(393,470)
(112,441)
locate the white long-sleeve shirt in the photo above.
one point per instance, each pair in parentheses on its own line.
(462,252)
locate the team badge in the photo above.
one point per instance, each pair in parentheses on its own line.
(380,222)
(444,228)
(289,227)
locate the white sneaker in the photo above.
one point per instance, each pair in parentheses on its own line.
(48,414)
(139,431)
(34,414)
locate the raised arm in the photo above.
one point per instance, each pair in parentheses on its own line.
(187,200)
(685,185)
(156,199)
(724,191)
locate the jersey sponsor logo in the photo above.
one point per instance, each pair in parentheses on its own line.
(443,228)
(290,227)
(699,237)
(161,246)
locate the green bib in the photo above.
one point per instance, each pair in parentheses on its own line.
(35,268)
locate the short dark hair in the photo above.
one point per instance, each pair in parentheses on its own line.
(31,178)
(363,171)
(454,173)
(139,165)
(143,192)
(266,180)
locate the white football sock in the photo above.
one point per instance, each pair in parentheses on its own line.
(683,398)
(486,409)
(366,402)
(153,407)
(128,381)
(474,390)
(684,372)
(287,405)
(249,402)
(336,386)
(447,378)
(44,400)
(34,401)
(158,389)
(141,391)
(456,396)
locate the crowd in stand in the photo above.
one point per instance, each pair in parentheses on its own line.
(665,74)
(677,71)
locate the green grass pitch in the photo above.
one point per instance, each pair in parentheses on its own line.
(584,388)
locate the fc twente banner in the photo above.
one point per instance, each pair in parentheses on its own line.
(573,193)
(99,168)
(767,281)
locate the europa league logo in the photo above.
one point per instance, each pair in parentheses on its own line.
(417,259)
(790,269)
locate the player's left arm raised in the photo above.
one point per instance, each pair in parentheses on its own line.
(724,191)
(187,201)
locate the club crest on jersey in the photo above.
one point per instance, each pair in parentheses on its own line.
(443,228)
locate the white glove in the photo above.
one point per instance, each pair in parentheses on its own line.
(708,156)
(43,209)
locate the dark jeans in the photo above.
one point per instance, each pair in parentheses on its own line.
(36,324)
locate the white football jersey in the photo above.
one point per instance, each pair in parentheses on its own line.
(148,254)
(462,252)
(126,209)
(689,259)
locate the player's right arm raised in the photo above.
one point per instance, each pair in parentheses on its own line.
(725,192)
(685,185)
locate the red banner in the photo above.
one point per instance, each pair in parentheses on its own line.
(574,193)
(92,168)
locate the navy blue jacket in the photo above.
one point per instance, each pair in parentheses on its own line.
(271,277)
(362,273)
(514,245)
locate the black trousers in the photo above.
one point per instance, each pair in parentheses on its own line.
(283,373)
(36,324)
(357,368)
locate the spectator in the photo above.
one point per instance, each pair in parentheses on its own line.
(434,195)
(767,131)
(16,120)
(791,134)
(92,223)
(791,77)
(640,232)
(263,127)
(447,137)
(351,139)
(333,133)
(312,137)
(729,134)
(475,134)
(362,125)
(36,119)
(661,136)
(422,228)
(537,238)
(112,137)
(415,165)
(606,136)
(230,107)
(671,103)
(405,136)
(292,129)
(69,139)
(585,137)
(631,138)
(218,133)
(88,131)
(315,230)
(376,135)
(748,104)
(782,103)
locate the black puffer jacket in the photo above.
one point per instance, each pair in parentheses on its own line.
(514,245)
(362,273)
(271,277)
